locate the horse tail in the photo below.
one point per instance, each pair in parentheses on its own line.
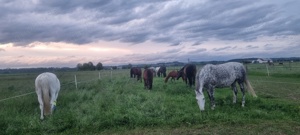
(197,81)
(46,99)
(249,87)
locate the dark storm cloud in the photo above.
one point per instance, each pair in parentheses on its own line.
(171,22)
(197,51)
(251,46)
(178,50)
(222,48)
(196,44)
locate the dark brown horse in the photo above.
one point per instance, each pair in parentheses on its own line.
(148,78)
(188,73)
(136,72)
(172,74)
(162,71)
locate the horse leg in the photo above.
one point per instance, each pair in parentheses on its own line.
(39,94)
(145,83)
(54,94)
(186,79)
(150,85)
(212,98)
(234,89)
(210,93)
(243,92)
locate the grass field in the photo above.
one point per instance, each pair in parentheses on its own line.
(117,104)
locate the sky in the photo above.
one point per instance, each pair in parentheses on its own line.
(59,33)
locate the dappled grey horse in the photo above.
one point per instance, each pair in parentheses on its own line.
(222,75)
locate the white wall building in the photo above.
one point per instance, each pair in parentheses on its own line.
(263,60)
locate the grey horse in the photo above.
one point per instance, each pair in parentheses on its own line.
(218,76)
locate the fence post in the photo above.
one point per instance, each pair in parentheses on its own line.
(267,70)
(99,76)
(75,81)
(111,75)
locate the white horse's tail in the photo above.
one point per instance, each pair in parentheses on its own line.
(197,81)
(249,88)
(46,99)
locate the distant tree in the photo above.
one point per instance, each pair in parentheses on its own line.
(99,66)
(79,66)
(91,66)
(85,66)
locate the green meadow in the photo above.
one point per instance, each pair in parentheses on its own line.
(110,102)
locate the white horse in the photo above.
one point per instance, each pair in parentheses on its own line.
(223,75)
(156,69)
(47,87)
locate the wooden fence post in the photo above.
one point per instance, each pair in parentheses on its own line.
(111,75)
(99,76)
(267,70)
(75,82)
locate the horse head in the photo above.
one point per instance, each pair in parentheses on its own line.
(179,74)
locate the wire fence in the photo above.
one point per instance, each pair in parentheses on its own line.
(78,78)
(66,80)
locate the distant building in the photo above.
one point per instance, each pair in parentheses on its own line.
(263,60)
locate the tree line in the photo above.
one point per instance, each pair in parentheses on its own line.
(89,66)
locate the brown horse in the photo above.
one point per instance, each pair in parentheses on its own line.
(148,78)
(172,74)
(188,73)
(136,72)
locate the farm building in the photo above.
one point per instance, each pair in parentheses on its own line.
(263,60)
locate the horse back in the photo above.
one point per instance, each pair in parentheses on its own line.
(223,74)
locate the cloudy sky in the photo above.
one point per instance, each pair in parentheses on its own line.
(60,33)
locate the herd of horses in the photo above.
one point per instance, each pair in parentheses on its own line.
(209,77)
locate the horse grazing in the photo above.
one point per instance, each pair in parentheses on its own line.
(223,75)
(136,72)
(47,87)
(188,74)
(172,74)
(153,70)
(162,71)
(148,78)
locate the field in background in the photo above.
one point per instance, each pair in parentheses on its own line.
(113,103)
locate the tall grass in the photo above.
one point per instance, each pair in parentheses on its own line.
(117,104)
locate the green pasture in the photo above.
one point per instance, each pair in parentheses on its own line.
(109,102)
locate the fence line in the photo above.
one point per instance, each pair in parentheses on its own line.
(17,96)
(76,85)
(111,75)
(278,82)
